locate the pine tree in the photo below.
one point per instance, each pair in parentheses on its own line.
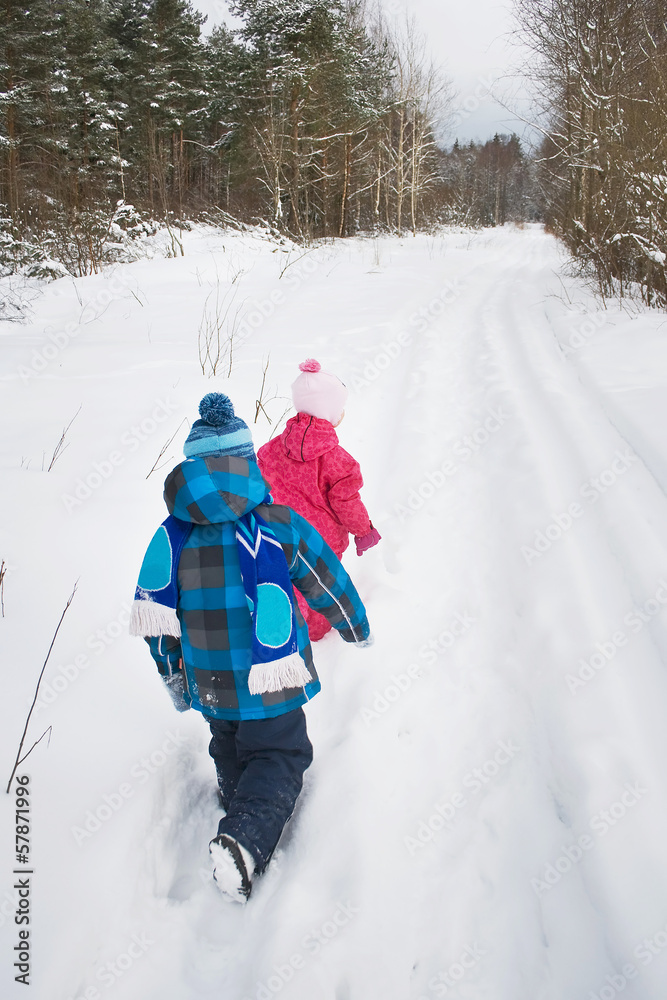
(312,84)
(169,98)
(30,51)
(490,183)
(85,110)
(226,163)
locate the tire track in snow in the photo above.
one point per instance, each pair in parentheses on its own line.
(618,539)
(546,446)
(440,915)
(574,443)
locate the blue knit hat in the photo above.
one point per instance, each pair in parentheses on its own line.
(219,432)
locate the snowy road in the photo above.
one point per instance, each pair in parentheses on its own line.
(486,815)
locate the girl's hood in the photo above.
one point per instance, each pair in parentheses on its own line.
(306,438)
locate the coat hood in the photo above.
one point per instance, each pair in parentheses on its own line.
(214,489)
(306,438)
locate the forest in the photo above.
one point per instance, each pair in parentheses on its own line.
(314,117)
(311,117)
(320,119)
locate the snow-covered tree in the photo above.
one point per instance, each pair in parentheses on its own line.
(308,114)
(602,83)
(30,53)
(166,97)
(489,183)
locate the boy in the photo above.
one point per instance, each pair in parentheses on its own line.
(216,605)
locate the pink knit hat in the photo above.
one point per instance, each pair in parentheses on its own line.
(319,393)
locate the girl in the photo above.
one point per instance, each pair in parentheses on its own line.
(309,471)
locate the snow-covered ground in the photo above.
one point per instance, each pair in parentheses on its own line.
(486,816)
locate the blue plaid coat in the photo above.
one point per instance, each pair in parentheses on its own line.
(215,645)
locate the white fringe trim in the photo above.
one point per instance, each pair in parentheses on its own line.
(279,675)
(151,618)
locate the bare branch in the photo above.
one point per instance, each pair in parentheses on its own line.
(39,681)
(61,446)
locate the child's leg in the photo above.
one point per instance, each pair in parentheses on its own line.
(274,753)
(222,749)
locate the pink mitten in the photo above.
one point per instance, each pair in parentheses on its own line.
(367,541)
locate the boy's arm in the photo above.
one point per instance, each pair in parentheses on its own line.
(320,576)
(166,651)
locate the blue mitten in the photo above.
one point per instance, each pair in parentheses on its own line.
(176,688)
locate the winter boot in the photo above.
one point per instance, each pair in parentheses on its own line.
(233,867)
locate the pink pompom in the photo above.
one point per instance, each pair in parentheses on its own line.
(310,365)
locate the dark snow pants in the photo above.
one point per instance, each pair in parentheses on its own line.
(260,765)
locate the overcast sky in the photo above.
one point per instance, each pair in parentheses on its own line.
(469,39)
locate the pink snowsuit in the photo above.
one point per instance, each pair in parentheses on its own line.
(309,471)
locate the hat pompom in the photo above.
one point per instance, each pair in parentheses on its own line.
(216,409)
(310,365)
